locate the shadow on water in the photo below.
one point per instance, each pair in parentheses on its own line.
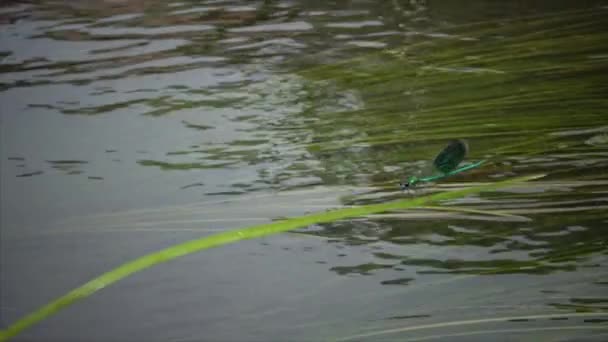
(184,118)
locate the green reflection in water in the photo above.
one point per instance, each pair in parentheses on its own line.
(527,93)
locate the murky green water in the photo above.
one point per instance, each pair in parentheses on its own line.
(128,126)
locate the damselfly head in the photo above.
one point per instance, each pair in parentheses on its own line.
(410,183)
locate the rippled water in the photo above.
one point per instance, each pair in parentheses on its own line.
(128,126)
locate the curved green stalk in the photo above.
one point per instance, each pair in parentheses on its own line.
(252,232)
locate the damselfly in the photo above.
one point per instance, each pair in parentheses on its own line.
(445,164)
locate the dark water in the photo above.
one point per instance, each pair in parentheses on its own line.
(128,126)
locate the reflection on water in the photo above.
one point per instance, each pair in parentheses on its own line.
(122,118)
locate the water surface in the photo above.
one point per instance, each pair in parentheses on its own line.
(128,126)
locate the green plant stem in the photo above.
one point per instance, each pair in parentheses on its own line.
(252,232)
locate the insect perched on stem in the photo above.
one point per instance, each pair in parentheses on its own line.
(445,164)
